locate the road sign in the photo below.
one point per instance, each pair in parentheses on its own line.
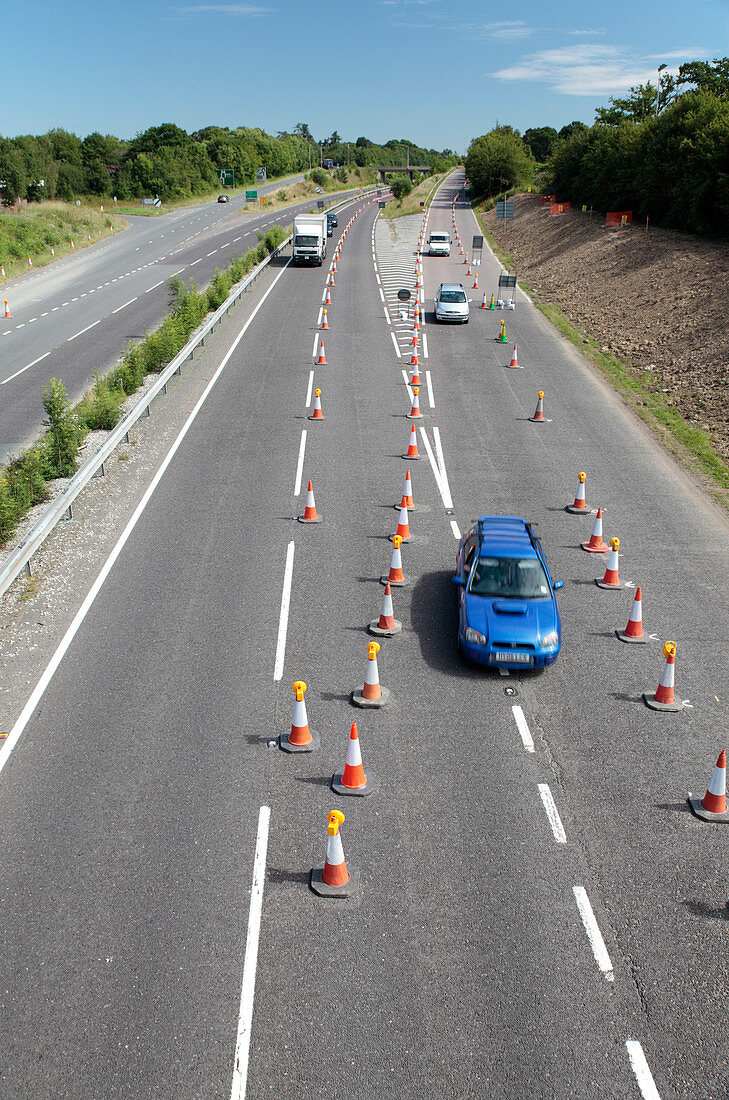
(403,295)
(226,177)
(504,210)
(260,175)
(507,280)
(252,195)
(382,204)
(320,204)
(477,243)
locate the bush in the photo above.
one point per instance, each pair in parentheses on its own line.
(100,408)
(400,187)
(64,435)
(319,176)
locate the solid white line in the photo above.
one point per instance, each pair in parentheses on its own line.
(445,490)
(455,529)
(308,392)
(425,346)
(156,285)
(120,308)
(300,463)
(642,1072)
(397,349)
(521,725)
(387,315)
(83,330)
(552,813)
(23,369)
(283,619)
(245,1016)
(429,384)
(431,459)
(594,934)
(382,296)
(316,341)
(39,690)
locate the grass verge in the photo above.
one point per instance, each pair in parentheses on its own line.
(41,230)
(691,445)
(411,203)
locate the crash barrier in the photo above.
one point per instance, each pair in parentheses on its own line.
(619,217)
(560,208)
(547,200)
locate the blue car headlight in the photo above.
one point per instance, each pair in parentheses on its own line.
(549,640)
(474,637)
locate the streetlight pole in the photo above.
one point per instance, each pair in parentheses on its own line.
(658,89)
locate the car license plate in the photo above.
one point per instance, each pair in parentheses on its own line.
(513,658)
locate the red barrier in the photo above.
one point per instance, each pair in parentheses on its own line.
(560,208)
(619,217)
(547,200)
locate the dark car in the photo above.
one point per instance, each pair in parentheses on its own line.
(223,198)
(333,219)
(507,612)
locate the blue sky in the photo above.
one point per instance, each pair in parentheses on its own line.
(435,71)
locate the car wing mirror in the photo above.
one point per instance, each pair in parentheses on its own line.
(459,581)
(558,584)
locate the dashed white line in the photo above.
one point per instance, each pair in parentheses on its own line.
(552,813)
(594,934)
(456,530)
(387,315)
(425,346)
(308,392)
(397,349)
(521,725)
(197,261)
(283,619)
(83,330)
(250,963)
(155,286)
(316,344)
(642,1072)
(429,384)
(212,253)
(300,464)
(23,369)
(120,308)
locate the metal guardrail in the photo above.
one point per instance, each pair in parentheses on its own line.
(62,504)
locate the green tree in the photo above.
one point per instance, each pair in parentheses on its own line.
(541,142)
(64,434)
(400,186)
(497,161)
(707,76)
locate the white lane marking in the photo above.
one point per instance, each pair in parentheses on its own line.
(235,239)
(594,935)
(83,330)
(156,285)
(316,343)
(120,308)
(178,272)
(552,813)
(211,253)
(425,346)
(321,314)
(445,490)
(197,261)
(382,296)
(283,619)
(58,307)
(429,384)
(20,326)
(250,963)
(76,299)
(39,690)
(23,369)
(300,463)
(521,725)
(32,319)
(308,392)
(642,1072)
(456,530)
(397,349)
(387,316)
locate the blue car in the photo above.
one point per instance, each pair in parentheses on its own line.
(507,613)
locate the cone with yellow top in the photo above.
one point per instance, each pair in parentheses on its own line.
(611,577)
(371,694)
(580,502)
(333,880)
(318,413)
(300,738)
(664,696)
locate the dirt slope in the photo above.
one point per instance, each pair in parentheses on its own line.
(659,301)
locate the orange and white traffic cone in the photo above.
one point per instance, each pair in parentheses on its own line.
(371,694)
(596,543)
(353,779)
(664,698)
(30,262)
(412,451)
(403,526)
(415,413)
(634,630)
(324,322)
(475,281)
(415,376)
(73,245)
(414,358)
(514,362)
(407,495)
(387,624)
(331,279)
(310,513)
(611,578)
(300,738)
(484,303)
(317,414)
(328,299)
(7,310)
(580,502)
(322,360)
(395,576)
(712,807)
(538,417)
(333,880)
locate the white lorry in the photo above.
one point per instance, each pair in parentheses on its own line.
(439,244)
(310,238)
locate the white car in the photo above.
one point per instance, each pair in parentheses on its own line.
(439,244)
(451,303)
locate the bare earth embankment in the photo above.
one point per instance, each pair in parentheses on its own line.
(657,301)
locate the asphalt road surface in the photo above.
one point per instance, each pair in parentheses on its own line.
(539,914)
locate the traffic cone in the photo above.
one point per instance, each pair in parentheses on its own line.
(403,526)
(475,281)
(492,303)
(371,694)
(469,272)
(412,451)
(331,279)
(634,630)
(53,251)
(324,322)
(538,417)
(7,310)
(328,300)
(502,334)
(322,360)
(310,515)
(580,503)
(317,414)
(484,303)
(407,495)
(353,779)
(387,624)
(712,807)
(73,245)
(514,361)
(415,413)
(30,262)
(414,358)
(301,738)
(611,578)
(333,880)
(663,698)
(415,377)
(596,544)
(466,259)
(395,576)
(414,340)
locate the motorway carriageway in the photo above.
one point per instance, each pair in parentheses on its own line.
(539,913)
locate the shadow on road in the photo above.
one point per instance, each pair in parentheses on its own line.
(434,619)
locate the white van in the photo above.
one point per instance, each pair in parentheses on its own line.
(439,244)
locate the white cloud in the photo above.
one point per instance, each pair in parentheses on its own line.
(587,69)
(222,9)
